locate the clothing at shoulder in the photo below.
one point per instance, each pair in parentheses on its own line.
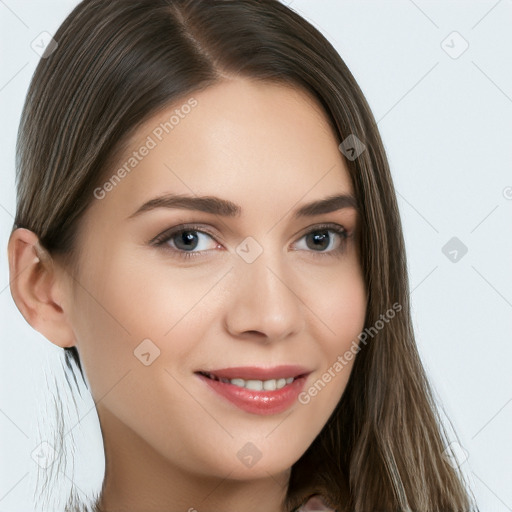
(315,504)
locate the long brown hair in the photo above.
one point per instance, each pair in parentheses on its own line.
(117,63)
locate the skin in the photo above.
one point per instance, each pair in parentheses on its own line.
(169,440)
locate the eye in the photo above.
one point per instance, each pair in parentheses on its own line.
(192,241)
(186,241)
(322,243)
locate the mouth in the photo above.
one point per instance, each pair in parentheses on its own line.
(257,390)
(253,384)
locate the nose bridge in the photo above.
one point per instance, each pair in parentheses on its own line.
(263,296)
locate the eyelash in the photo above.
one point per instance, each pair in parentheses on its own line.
(162,239)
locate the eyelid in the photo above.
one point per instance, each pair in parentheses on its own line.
(165,235)
(324,225)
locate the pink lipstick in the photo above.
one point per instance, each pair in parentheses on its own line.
(257,390)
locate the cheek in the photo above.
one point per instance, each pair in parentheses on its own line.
(155,296)
(341,310)
(338,298)
(134,313)
(136,333)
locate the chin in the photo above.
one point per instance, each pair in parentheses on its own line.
(250,462)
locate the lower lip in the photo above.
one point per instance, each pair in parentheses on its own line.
(258,402)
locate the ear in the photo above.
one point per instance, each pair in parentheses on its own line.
(37,287)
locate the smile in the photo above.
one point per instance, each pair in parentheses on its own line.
(262,391)
(253,384)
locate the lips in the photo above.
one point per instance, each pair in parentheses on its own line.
(257,390)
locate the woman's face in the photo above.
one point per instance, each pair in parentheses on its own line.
(252,291)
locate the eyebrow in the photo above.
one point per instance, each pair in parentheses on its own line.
(226,208)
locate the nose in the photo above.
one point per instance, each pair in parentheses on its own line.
(265,303)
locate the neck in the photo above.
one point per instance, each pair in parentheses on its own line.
(137,478)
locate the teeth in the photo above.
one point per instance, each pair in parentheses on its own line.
(262,385)
(257,385)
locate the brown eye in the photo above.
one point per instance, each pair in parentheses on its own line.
(185,241)
(319,239)
(327,239)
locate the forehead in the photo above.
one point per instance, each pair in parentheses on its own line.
(255,143)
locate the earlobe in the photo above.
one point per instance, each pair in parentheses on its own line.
(36,288)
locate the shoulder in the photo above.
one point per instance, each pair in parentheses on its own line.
(315,504)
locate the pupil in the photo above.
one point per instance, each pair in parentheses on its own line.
(186,237)
(320,239)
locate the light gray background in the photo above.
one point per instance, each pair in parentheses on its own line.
(446,126)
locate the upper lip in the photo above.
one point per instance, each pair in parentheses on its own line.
(259,373)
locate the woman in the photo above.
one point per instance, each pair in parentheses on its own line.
(207,225)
